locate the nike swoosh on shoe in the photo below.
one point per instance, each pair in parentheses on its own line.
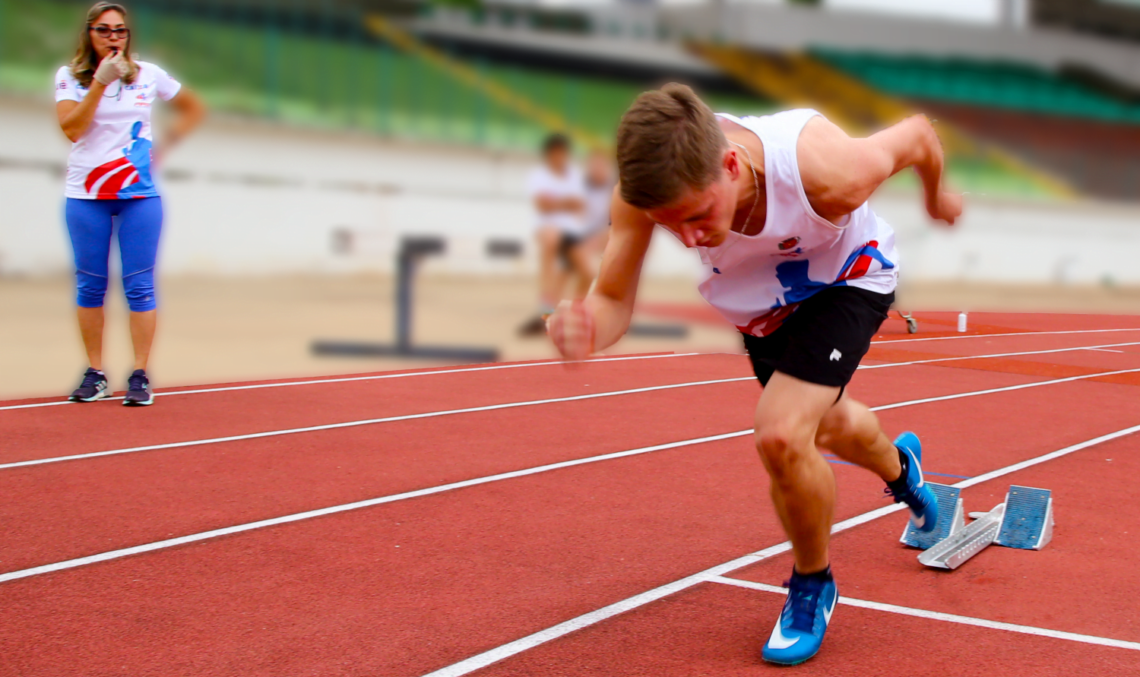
(777,640)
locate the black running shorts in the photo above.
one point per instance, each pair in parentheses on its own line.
(565,245)
(823,341)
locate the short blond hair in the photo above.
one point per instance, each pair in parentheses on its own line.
(668,140)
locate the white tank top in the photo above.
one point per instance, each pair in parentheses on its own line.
(756,282)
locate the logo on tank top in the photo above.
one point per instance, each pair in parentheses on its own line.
(788,244)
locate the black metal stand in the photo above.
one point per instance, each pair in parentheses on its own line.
(412,250)
(657,330)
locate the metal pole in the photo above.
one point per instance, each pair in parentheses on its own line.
(405,269)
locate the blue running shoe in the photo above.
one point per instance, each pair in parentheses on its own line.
(94,387)
(139,393)
(807,611)
(911,488)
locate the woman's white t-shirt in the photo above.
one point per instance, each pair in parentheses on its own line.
(111,161)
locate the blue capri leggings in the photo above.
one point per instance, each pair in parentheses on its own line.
(90,223)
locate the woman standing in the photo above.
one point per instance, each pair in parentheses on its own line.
(104,99)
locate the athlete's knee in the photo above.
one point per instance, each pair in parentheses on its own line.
(90,289)
(846,423)
(782,444)
(139,289)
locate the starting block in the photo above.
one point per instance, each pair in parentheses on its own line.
(946,496)
(1028,522)
(1024,521)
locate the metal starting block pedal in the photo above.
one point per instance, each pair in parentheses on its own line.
(1028,522)
(1024,520)
(946,496)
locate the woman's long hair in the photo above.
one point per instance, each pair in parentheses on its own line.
(86,60)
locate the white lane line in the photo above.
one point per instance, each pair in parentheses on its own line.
(774,550)
(1019,333)
(518,646)
(373,377)
(368,421)
(296,517)
(982,357)
(512,405)
(949,618)
(1101,350)
(259,386)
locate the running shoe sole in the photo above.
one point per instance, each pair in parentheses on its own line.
(98,396)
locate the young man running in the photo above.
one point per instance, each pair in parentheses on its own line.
(795,258)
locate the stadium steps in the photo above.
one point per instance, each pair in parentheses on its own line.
(801,80)
(470,77)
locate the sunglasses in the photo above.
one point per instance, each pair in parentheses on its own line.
(106,31)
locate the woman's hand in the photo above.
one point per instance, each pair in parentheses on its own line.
(111,68)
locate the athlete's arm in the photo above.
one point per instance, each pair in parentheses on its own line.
(76,116)
(840,173)
(596,323)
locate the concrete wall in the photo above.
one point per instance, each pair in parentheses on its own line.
(245,198)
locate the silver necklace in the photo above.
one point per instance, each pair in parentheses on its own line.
(755,201)
(755,186)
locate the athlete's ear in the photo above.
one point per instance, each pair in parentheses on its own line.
(731,163)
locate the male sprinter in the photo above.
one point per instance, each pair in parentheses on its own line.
(796,259)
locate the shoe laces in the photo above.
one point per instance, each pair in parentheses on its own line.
(890,493)
(137,382)
(803,598)
(90,378)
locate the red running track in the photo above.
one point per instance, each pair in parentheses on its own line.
(412,586)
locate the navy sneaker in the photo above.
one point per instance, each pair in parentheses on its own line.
(94,387)
(807,611)
(911,488)
(139,393)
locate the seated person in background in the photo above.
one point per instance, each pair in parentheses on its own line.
(558,192)
(600,183)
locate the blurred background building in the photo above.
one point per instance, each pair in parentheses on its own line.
(339,125)
(1035,99)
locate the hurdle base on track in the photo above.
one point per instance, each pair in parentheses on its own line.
(442,353)
(657,330)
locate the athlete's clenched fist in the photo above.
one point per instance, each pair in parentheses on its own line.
(571,327)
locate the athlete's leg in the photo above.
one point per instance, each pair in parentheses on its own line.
(89,227)
(851,431)
(802,484)
(550,272)
(140,225)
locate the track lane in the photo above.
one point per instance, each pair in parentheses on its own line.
(715,629)
(155,495)
(1073,585)
(480,567)
(58,431)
